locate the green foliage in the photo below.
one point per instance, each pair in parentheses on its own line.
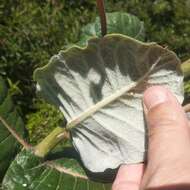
(8,144)
(116,23)
(187,88)
(30,172)
(31,32)
(43,120)
(166,21)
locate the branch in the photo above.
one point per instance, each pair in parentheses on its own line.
(15,135)
(101,9)
(47,144)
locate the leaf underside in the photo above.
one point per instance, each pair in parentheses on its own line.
(30,172)
(8,145)
(78,79)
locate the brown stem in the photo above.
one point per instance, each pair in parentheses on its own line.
(15,135)
(101,9)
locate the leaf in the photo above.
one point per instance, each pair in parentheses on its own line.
(117,22)
(79,80)
(30,172)
(186,68)
(8,145)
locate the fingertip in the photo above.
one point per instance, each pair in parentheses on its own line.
(155,95)
(128,177)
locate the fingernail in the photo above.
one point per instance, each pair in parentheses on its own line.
(154,96)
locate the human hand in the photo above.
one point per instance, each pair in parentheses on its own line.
(168,159)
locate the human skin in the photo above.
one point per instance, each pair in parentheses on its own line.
(168,159)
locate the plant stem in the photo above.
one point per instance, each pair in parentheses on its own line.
(185,67)
(101,9)
(15,135)
(43,148)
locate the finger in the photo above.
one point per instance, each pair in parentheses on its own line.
(128,177)
(168,128)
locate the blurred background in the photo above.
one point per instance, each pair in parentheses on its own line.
(31,31)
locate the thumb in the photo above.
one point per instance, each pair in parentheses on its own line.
(168,132)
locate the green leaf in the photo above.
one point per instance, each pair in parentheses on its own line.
(99,89)
(30,172)
(8,145)
(117,22)
(186,68)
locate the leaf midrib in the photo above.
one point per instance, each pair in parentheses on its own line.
(93,109)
